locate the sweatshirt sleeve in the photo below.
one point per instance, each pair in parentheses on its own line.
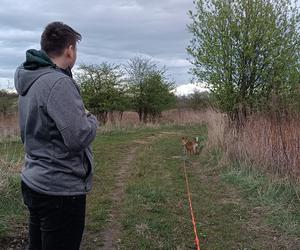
(66,108)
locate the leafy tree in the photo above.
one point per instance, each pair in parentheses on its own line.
(200,100)
(149,88)
(246,51)
(156,97)
(102,89)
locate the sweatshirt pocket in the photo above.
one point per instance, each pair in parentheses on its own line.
(85,163)
(69,162)
(61,152)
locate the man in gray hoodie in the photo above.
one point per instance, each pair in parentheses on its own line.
(56,131)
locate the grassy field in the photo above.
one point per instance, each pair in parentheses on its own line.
(139,198)
(12,212)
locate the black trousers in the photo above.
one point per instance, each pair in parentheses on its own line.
(55,222)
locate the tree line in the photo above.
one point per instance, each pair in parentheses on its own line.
(141,85)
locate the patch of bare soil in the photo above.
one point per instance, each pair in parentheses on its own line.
(18,242)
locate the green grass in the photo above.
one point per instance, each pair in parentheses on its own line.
(11,152)
(156,213)
(153,217)
(156,210)
(109,150)
(235,207)
(277,197)
(12,211)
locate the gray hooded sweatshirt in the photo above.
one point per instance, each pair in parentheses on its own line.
(55,129)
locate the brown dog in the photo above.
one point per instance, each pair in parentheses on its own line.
(190,146)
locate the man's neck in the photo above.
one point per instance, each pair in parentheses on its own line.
(59,62)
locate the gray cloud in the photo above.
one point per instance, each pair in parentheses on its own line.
(112,31)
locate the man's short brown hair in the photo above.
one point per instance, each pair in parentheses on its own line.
(56,37)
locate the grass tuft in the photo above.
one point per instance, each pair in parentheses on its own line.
(278,198)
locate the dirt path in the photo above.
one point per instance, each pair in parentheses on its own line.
(112,232)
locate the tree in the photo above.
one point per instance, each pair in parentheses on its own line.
(156,97)
(149,88)
(245,50)
(102,89)
(200,100)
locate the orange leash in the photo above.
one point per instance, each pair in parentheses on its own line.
(197,242)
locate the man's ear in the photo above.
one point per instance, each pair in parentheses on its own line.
(68,51)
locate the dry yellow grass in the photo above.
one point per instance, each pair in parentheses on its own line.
(9,126)
(174,116)
(265,141)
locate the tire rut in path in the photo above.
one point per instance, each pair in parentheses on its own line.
(111,234)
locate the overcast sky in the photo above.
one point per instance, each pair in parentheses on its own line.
(112,30)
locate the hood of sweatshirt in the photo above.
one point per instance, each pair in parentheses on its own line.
(37,63)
